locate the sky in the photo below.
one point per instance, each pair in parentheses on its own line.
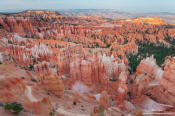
(132,6)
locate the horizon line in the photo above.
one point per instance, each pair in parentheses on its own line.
(22,10)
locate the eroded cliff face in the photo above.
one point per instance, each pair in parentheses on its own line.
(52,84)
(12,89)
(83,61)
(148,75)
(165,92)
(151,85)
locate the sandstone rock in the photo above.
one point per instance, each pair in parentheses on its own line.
(52,84)
(148,20)
(104,99)
(42,107)
(12,90)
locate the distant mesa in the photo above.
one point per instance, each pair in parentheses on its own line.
(146,20)
(41,12)
(33,12)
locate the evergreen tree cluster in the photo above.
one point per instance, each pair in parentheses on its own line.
(147,49)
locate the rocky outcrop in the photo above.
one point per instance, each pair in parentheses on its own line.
(42,107)
(147,105)
(171,33)
(42,68)
(104,99)
(155,82)
(122,89)
(12,90)
(52,84)
(167,82)
(97,70)
(148,75)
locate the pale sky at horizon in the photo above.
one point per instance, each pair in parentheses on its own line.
(133,6)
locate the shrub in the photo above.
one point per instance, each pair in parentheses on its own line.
(8,106)
(51,113)
(97,45)
(74,103)
(113,79)
(108,45)
(101,108)
(31,67)
(15,107)
(33,80)
(101,114)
